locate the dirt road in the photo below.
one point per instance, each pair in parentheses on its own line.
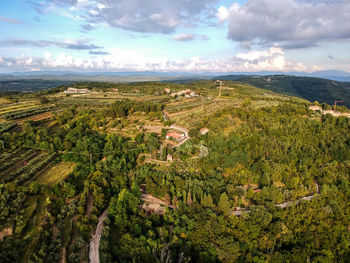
(94,256)
(283,205)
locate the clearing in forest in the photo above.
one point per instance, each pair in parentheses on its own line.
(57,173)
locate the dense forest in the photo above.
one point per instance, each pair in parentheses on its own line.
(268,182)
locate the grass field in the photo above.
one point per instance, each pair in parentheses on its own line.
(57,173)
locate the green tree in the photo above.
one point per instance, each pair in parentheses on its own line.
(265,180)
(210,202)
(224,204)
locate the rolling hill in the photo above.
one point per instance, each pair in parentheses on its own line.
(312,89)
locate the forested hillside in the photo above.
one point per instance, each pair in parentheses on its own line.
(254,177)
(312,89)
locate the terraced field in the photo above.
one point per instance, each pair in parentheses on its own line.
(23,166)
(191,114)
(18,106)
(23,113)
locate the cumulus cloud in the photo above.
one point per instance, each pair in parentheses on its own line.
(151,16)
(10,20)
(272,59)
(291,23)
(83,44)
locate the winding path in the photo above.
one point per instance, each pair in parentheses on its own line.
(282,205)
(94,256)
(153,200)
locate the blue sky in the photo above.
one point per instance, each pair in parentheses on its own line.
(168,35)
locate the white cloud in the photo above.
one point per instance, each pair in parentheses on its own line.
(291,23)
(75,44)
(151,16)
(189,37)
(222,14)
(272,59)
(184,37)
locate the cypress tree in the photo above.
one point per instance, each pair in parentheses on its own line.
(189,199)
(224,204)
(210,202)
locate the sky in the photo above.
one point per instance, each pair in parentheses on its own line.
(174,35)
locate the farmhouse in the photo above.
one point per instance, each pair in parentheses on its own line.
(186,92)
(204,131)
(76,91)
(175,135)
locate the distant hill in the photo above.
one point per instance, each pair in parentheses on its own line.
(312,89)
(29,85)
(105,77)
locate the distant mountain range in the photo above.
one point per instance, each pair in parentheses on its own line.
(134,76)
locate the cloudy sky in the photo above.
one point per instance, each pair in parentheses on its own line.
(175,35)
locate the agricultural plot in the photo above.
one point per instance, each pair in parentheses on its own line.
(136,123)
(85,102)
(35,213)
(18,106)
(193,117)
(24,166)
(12,160)
(4,156)
(57,173)
(37,117)
(7,126)
(20,114)
(185,104)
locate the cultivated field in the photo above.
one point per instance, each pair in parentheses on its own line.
(57,173)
